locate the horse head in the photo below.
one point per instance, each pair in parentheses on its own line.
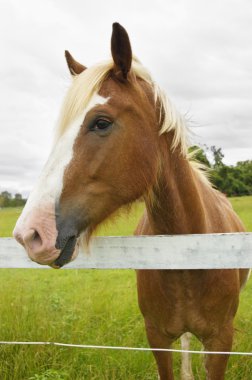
(105,154)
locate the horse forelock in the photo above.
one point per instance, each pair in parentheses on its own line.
(85,85)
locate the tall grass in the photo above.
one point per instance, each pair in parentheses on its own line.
(92,307)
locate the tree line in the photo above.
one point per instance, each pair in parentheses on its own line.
(7,200)
(233,180)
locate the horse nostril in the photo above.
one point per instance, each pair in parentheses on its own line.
(32,239)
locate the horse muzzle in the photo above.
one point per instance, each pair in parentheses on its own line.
(46,241)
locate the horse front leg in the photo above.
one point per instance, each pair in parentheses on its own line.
(216,364)
(163,359)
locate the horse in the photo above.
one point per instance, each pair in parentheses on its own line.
(120,139)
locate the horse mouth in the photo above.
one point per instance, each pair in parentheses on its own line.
(66,252)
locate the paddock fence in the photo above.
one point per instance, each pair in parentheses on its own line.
(207,251)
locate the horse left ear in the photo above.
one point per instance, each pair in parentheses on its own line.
(75,67)
(121,52)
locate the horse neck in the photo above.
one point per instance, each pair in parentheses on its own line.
(174,204)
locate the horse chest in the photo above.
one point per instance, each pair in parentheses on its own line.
(174,300)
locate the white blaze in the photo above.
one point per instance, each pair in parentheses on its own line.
(48,189)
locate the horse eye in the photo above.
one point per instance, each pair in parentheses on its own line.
(102,124)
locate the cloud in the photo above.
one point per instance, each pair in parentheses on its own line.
(199,52)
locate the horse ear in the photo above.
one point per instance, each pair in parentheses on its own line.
(75,67)
(121,52)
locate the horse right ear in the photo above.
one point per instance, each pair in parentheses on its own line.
(75,67)
(121,52)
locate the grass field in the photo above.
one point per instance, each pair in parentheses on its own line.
(92,307)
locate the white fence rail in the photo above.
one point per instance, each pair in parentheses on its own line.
(208,251)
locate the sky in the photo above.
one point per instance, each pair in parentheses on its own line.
(198,51)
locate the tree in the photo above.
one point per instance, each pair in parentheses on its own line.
(6,195)
(18,200)
(217,156)
(199,154)
(6,198)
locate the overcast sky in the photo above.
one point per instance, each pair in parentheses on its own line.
(199,51)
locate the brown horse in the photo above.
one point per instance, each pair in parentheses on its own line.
(119,139)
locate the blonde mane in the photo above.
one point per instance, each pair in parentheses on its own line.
(90,81)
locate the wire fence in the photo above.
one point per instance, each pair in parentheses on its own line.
(147,349)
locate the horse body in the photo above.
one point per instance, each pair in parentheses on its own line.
(120,139)
(203,302)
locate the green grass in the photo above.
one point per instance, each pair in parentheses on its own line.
(80,306)
(243,207)
(125,223)
(8,218)
(92,307)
